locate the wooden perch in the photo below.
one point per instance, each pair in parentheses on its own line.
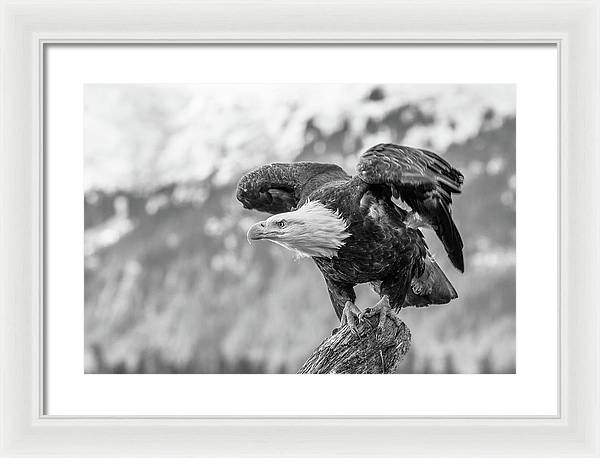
(367,353)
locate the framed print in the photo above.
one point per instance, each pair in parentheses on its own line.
(239,237)
(167,270)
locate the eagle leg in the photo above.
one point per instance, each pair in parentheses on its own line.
(349,315)
(383,309)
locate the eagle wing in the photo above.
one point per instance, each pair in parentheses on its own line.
(424,181)
(279,187)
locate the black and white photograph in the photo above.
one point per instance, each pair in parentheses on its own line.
(306,229)
(299,228)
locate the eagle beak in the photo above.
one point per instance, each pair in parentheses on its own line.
(256,232)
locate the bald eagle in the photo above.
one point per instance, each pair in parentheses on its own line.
(366,228)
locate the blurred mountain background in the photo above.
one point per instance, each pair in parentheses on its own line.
(172,286)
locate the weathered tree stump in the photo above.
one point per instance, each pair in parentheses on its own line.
(366,353)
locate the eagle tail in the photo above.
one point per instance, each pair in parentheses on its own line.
(432,287)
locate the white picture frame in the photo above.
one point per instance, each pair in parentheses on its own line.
(28,26)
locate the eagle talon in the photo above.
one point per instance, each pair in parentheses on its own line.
(349,317)
(384,311)
(367,313)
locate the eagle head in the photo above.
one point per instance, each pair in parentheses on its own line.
(311,230)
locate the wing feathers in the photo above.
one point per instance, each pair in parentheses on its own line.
(278,187)
(424,181)
(447,231)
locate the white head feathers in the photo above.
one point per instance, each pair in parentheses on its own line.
(311,230)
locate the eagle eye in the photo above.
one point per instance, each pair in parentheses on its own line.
(281,223)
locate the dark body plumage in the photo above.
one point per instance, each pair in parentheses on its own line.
(384,248)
